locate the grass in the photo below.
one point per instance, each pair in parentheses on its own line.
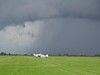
(29,65)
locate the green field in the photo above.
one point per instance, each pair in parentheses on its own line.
(29,65)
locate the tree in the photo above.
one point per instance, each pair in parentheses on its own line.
(2,53)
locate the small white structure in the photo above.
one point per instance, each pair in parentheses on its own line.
(41,55)
(44,56)
(37,55)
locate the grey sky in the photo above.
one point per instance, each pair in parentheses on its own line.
(50,26)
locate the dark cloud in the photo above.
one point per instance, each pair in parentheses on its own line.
(19,11)
(70,35)
(70,26)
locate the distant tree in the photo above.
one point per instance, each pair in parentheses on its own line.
(25,54)
(59,55)
(31,54)
(66,54)
(3,53)
(97,55)
(9,54)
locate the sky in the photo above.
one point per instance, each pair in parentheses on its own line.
(50,26)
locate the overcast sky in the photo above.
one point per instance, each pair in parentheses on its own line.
(50,26)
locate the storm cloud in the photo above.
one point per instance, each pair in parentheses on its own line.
(70,35)
(50,26)
(19,11)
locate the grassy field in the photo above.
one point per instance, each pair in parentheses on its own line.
(29,65)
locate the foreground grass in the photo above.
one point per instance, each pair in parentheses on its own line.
(29,65)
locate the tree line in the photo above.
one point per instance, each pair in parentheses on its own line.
(81,55)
